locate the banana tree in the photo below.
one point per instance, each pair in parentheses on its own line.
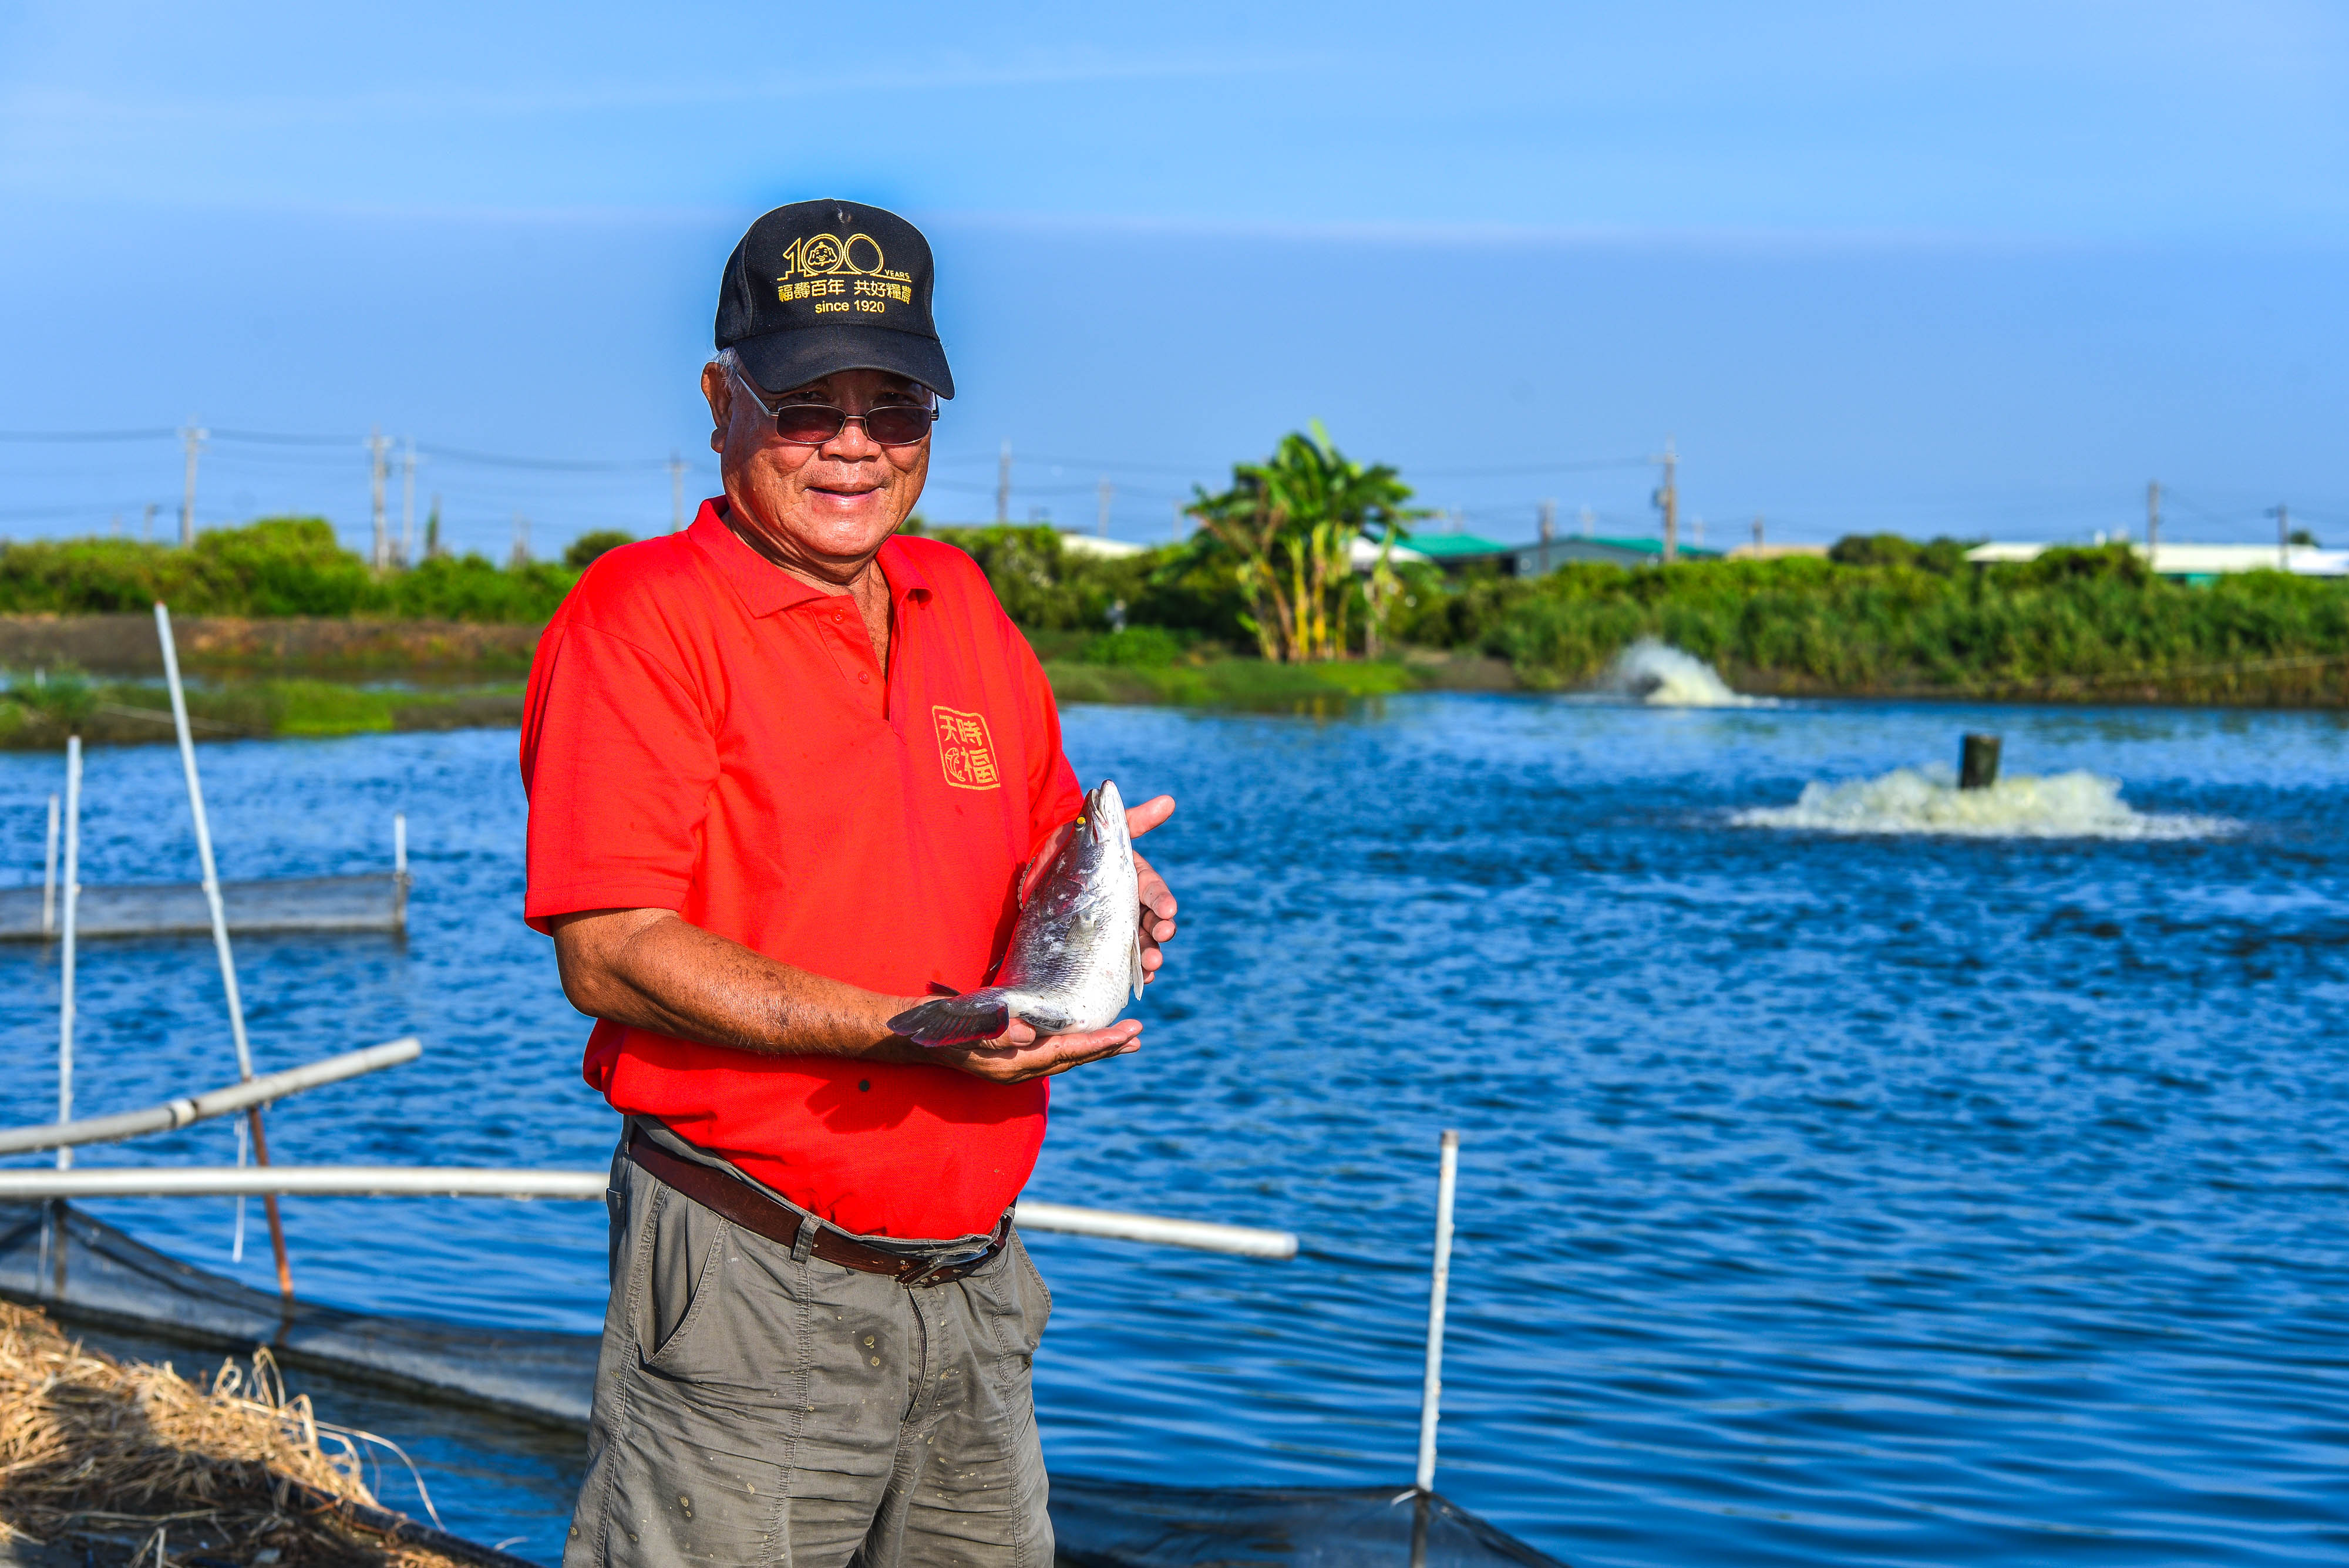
(1291,522)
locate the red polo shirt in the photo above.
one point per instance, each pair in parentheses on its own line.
(706,734)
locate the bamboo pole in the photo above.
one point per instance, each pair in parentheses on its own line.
(220,943)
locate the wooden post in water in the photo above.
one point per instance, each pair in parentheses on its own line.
(1977,763)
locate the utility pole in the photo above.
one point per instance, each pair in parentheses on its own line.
(1589,520)
(1758,533)
(408,504)
(376,447)
(1003,486)
(1107,492)
(522,542)
(432,531)
(147,525)
(1668,501)
(193,436)
(676,493)
(2283,537)
(1549,532)
(2152,522)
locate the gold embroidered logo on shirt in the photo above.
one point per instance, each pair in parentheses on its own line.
(965,751)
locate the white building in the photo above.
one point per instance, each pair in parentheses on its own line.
(2199,560)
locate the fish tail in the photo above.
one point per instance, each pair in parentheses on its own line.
(954,1021)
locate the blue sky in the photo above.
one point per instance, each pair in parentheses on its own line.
(1981,271)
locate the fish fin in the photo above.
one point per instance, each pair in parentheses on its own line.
(953,1021)
(1138,974)
(940,988)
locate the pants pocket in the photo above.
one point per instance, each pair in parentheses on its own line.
(681,1271)
(1035,1296)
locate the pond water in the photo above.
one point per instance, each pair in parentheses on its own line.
(1854,1177)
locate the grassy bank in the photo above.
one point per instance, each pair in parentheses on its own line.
(40,717)
(279,604)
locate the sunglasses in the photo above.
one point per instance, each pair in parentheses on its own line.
(813,424)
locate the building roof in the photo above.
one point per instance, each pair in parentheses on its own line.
(1365,553)
(1456,547)
(1094,545)
(1639,552)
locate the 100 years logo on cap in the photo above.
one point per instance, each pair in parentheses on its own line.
(841,275)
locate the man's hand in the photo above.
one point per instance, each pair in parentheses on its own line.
(1157,898)
(1019,1053)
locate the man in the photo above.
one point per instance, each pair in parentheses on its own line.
(784,770)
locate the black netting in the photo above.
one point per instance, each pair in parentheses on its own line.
(1124,1524)
(376,901)
(81,1268)
(108,1278)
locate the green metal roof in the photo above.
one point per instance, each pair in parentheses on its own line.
(1450,546)
(1655,546)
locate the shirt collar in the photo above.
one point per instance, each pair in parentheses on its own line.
(765,589)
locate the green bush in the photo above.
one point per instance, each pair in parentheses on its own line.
(2070,616)
(583,550)
(277,567)
(1133,647)
(1045,586)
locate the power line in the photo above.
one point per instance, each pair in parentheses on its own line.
(157,434)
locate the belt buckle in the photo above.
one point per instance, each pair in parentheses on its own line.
(945,1270)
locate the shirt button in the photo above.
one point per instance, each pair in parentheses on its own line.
(867,680)
(835,615)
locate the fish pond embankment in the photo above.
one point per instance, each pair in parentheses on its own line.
(288,634)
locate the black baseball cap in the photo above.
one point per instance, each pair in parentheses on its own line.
(820,286)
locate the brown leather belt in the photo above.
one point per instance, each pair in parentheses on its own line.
(804,1234)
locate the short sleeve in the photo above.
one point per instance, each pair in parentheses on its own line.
(1054,796)
(618,763)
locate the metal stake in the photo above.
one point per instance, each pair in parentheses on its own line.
(73,900)
(1432,1395)
(49,876)
(220,939)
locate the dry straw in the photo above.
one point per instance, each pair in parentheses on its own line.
(92,1448)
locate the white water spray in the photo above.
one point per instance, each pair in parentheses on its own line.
(2077,805)
(1661,676)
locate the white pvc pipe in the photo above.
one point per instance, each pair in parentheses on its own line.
(303,1180)
(458,1181)
(1432,1394)
(180,1113)
(1207,1237)
(49,876)
(399,844)
(73,904)
(203,842)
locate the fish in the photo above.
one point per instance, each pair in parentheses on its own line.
(1076,948)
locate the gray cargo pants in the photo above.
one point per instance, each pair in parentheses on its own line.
(754,1410)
